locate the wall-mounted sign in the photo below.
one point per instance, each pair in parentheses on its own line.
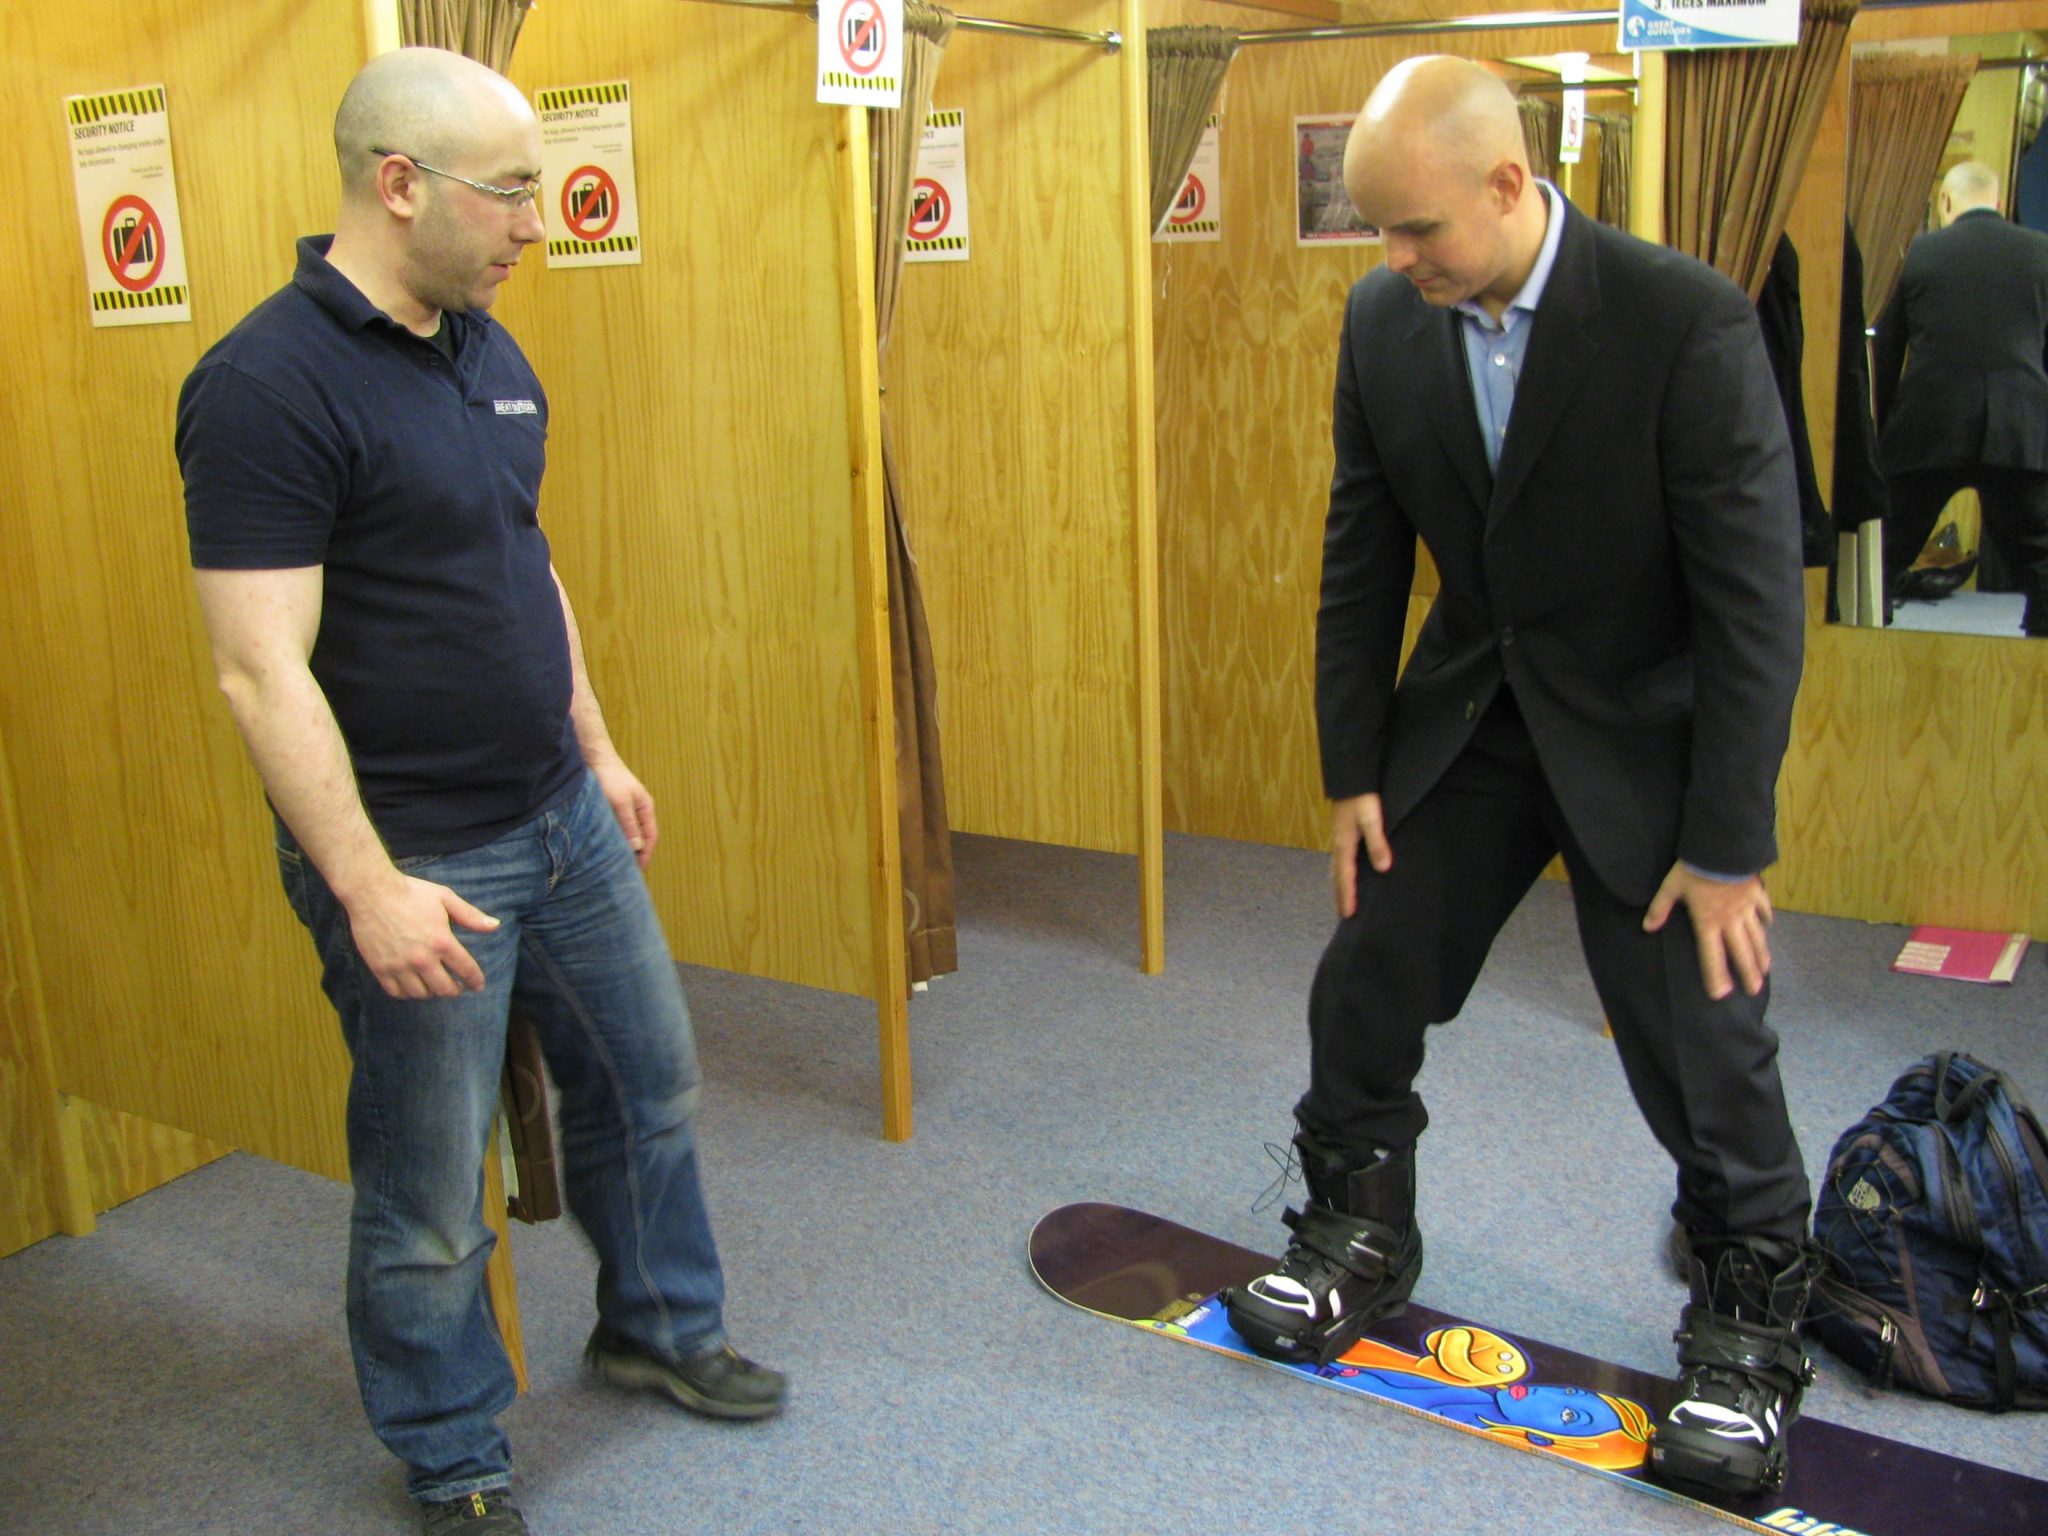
(860,52)
(1196,212)
(128,207)
(937,228)
(586,175)
(1323,214)
(1647,25)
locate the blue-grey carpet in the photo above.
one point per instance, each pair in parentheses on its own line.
(185,1371)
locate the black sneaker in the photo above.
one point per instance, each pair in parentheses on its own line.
(490,1513)
(723,1385)
(1743,1371)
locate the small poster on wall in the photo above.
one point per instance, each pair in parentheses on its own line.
(860,52)
(586,173)
(1196,212)
(128,207)
(1323,211)
(938,194)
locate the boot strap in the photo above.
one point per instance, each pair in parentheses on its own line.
(1367,1248)
(1773,1355)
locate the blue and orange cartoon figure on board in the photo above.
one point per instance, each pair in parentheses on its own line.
(1473,1377)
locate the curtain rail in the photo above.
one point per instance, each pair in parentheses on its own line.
(1109,42)
(1505,22)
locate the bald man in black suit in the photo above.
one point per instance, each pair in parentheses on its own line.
(1584,430)
(1962,394)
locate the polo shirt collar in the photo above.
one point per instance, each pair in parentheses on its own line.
(1539,275)
(321,281)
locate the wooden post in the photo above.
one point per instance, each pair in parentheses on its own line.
(1144,492)
(871,615)
(498,1275)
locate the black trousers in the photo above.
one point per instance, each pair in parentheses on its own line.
(2015,519)
(1704,1073)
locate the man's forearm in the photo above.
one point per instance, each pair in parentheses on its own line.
(592,736)
(289,729)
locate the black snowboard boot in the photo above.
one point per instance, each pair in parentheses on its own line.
(1742,1371)
(1354,1259)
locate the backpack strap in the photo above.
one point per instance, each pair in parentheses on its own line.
(2002,1308)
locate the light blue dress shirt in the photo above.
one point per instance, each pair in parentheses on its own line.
(1494,348)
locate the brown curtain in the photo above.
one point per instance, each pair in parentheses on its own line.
(1742,123)
(922,826)
(1185,67)
(484,30)
(1542,126)
(1901,107)
(1617,157)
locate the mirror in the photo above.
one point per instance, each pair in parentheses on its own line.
(1958,462)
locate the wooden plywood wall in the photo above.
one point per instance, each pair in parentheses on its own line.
(1008,396)
(176,984)
(698,494)
(1246,352)
(1907,795)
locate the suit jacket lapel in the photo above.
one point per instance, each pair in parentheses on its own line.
(1560,347)
(1446,382)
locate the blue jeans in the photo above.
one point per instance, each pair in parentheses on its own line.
(580,952)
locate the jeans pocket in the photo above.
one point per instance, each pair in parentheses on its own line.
(415,862)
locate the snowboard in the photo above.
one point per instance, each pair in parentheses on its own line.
(1532,1396)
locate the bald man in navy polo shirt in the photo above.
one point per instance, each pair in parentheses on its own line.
(362,459)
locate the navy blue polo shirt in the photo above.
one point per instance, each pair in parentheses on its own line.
(319,431)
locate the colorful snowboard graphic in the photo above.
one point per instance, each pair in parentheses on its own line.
(1162,1277)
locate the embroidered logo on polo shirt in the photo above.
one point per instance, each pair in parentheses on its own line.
(516,407)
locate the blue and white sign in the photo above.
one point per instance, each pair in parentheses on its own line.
(1648,25)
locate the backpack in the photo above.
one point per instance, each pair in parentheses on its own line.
(1932,1226)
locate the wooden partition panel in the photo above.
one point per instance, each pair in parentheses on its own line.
(1909,793)
(177,985)
(1246,355)
(1008,396)
(699,497)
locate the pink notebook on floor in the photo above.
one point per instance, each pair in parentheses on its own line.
(1962,955)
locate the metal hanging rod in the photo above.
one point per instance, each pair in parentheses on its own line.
(1109,42)
(1506,22)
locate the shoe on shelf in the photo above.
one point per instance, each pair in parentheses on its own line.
(1742,1370)
(489,1513)
(1354,1260)
(721,1385)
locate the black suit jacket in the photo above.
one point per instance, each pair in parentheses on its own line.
(1633,572)
(1969,324)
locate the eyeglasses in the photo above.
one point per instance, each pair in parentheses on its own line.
(521,196)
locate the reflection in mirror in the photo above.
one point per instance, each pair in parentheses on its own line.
(1944,134)
(1578,122)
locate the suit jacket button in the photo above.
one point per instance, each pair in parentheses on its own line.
(1507,638)
(1471,708)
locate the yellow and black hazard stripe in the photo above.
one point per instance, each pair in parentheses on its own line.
(581,247)
(1198,227)
(153,298)
(581,96)
(90,109)
(948,117)
(841,80)
(940,243)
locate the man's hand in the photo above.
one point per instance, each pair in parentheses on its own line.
(630,802)
(402,930)
(1351,822)
(1730,918)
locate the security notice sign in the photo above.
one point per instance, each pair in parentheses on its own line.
(586,175)
(1196,212)
(860,52)
(128,207)
(937,228)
